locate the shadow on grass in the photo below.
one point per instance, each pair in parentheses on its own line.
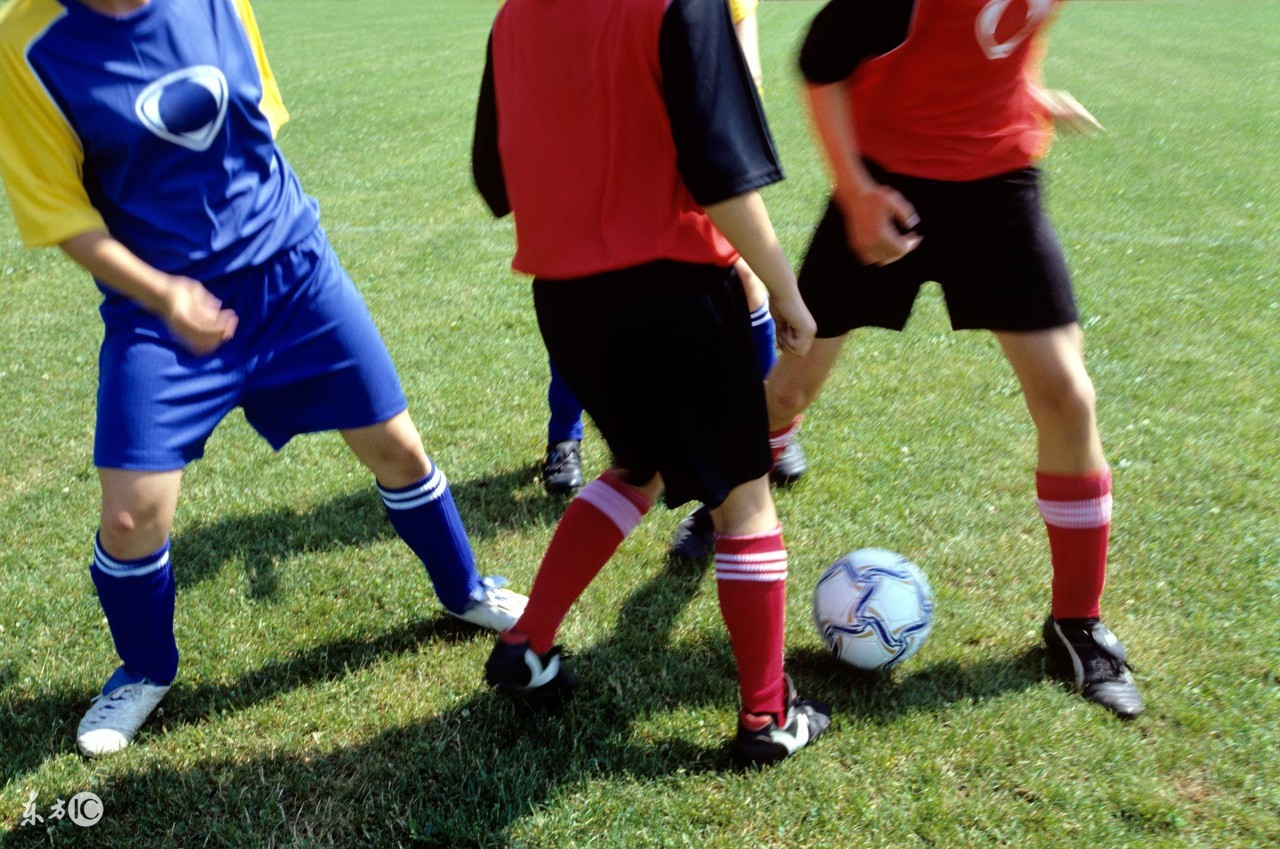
(884,698)
(465,777)
(459,779)
(46,725)
(263,540)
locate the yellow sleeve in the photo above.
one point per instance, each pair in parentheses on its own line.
(41,159)
(742,9)
(272,104)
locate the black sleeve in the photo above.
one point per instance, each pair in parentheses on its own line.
(845,33)
(486,163)
(723,145)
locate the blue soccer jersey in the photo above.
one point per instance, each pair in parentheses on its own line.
(158,127)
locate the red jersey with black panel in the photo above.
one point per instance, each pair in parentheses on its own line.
(606,126)
(950,99)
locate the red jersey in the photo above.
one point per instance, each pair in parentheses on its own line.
(605,159)
(952,100)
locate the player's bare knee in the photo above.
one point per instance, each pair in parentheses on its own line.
(790,399)
(1066,401)
(118,523)
(401,466)
(123,532)
(650,488)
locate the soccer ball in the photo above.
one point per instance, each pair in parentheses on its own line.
(873,608)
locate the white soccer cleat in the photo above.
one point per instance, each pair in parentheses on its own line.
(492,606)
(113,719)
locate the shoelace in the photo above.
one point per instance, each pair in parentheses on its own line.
(1118,664)
(100,704)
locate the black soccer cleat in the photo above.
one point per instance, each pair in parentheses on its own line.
(1085,652)
(562,467)
(791,465)
(761,741)
(695,536)
(517,670)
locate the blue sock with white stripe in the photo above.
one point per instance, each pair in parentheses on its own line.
(764,333)
(426,518)
(137,597)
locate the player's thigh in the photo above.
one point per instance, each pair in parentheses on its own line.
(999,261)
(157,402)
(324,365)
(842,293)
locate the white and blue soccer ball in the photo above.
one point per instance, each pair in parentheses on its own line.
(873,608)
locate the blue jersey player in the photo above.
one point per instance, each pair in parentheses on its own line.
(139,136)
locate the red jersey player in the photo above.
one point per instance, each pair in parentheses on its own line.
(930,117)
(627,138)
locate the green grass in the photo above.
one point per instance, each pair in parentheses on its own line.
(325,700)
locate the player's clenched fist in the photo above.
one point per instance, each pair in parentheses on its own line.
(795,326)
(196,317)
(878,224)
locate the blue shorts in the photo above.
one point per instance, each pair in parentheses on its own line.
(305,357)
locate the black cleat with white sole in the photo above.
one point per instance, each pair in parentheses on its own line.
(1085,652)
(791,465)
(761,741)
(562,467)
(541,680)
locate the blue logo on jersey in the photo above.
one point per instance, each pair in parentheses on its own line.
(185,107)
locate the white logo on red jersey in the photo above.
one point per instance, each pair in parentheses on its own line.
(1003,25)
(185,107)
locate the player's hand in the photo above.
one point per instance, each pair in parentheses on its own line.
(196,317)
(879,225)
(1067,112)
(794,327)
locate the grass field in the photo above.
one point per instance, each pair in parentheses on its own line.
(324,698)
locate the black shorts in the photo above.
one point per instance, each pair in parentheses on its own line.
(987,242)
(661,355)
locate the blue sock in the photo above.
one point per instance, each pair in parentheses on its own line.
(137,597)
(426,518)
(566,412)
(764,334)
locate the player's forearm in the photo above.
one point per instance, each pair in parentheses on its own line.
(486,161)
(115,265)
(837,135)
(744,221)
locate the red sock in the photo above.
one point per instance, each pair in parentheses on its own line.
(751,581)
(596,522)
(1077,514)
(780,439)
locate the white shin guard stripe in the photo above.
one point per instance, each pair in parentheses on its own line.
(619,509)
(1085,513)
(429,490)
(110,566)
(770,566)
